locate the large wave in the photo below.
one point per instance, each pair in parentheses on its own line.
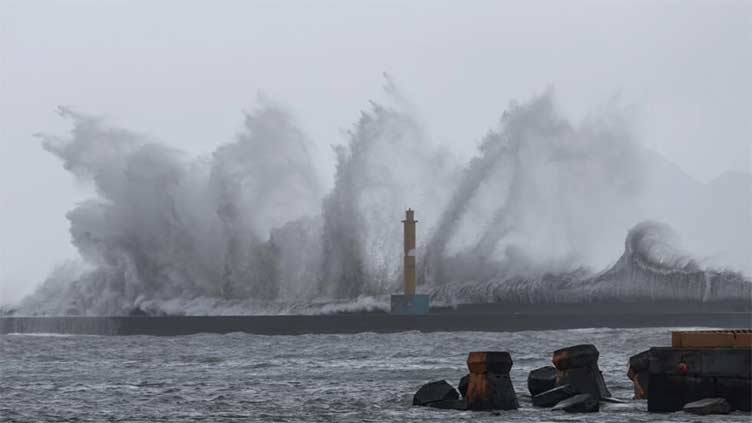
(652,268)
(250,229)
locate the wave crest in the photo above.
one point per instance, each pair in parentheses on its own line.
(249,229)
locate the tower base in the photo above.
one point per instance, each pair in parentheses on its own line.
(410,304)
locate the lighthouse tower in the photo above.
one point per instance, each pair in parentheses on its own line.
(409,302)
(409,262)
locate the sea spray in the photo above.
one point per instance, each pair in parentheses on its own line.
(651,268)
(165,227)
(249,230)
(539,187)
(387,165)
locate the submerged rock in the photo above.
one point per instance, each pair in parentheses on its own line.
(462,387)
(434,392)
(541,380)
(554,396)
(708,406)
(580,403)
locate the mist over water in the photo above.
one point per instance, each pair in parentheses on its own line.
(547,210)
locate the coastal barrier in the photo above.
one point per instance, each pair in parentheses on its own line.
(365,322)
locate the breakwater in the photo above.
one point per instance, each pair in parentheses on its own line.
(375,322)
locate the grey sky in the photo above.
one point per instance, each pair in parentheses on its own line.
(183,72)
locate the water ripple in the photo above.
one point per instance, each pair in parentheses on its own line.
(308,378)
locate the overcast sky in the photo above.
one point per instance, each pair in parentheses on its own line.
(184,71)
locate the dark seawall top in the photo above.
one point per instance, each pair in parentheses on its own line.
(467,318)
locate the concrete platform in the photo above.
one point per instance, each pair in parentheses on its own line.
(375,322)
(682,375)
(410,304)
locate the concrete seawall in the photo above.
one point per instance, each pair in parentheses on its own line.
(354,323)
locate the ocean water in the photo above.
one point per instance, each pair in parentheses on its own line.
(308,378)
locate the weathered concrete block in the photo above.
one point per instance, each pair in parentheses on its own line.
(577,356)
(580,403)
(669,393)
(737,391)
(584,380)
(490,391)
(577,366)
(602,388)
(638,373)
(708,406)
(541,380)
(682,375)
(489,386)
(489,362)
(456,404)
(554,396)
(613,400)
(640,362)
(462,387)
(717,362)
(434,392)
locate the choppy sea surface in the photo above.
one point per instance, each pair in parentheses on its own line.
(308,378)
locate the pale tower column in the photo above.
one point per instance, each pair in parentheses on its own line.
(409,265)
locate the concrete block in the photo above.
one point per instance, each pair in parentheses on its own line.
(737,391)
(434,392)
(722,362)
(575,356)
(541,380)
(682,375)
(603,391)
(489,362)
(708,406)
(462,387)
(490,391)
(554,396)
(669,393)
(640,362)
(716,362)
(613,400)
(584,380)
(638,372)
(580,403)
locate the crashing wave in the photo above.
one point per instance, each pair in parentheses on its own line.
(652,268)
(249,229)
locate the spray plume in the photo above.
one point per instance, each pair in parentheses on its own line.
(250,230)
